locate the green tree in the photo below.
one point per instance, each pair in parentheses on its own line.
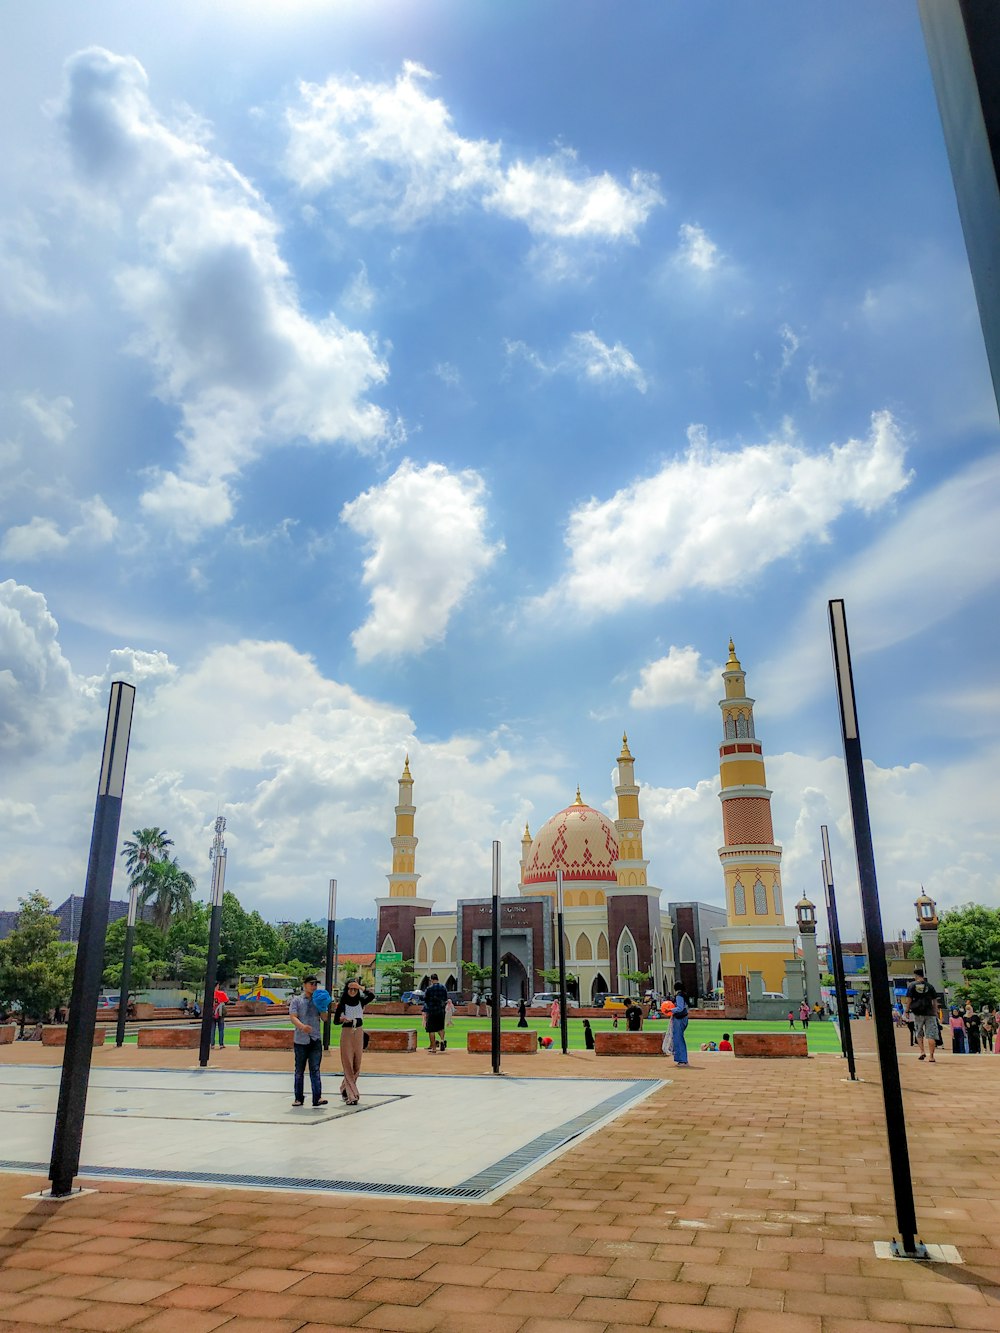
(36,969)
(146,935)
(189,932)
(478,979)
(971,933)
(305,940)
(144,847)
(550,975)
(981,985)
(396,976)
(141,975)
(169,889)
(236,937)
(638,978)
(266,942)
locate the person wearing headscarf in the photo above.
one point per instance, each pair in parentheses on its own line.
(349,1016)
(678,1026)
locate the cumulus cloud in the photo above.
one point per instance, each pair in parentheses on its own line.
(38,692)
(52,417)
(390,154)
(674,531)
(42,538)
(587,358)
(426,534)
(216,312)
(678,678)
(696,251)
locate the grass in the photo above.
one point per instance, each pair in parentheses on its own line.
(822,1036)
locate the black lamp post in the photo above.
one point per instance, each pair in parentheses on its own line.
(331,942)
(72,1105)
(560,927)
(126,981)
(627,950)
(495,1011)
(218,855)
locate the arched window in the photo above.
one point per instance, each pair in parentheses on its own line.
(750,731)
(422,951)
(777,900)
(583,898)
(740,899)
(687,950)
(602,945)
(387,945)
(454,951)
(759,898)
(439,954)
(730,729)
(598,899)
(566,949)
(741,725)
(584,948)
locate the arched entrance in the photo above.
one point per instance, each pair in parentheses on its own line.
(515,987)
(600,986)
(450,984)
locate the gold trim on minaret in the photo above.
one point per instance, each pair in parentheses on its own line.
(403,879)
(630,868)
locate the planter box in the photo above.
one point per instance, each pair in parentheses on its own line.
(267,1039)
(7,1033)
(56,1036)
(522,1042)
(629,1043)
(172,1039)
(771,1045)
(404,1039)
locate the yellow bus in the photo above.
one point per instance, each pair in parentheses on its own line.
(270,988)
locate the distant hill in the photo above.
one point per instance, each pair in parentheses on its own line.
(356,934)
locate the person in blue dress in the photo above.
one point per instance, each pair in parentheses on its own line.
(678,1026)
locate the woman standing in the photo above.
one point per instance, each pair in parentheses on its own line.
(554,1014)
(350,1017)
(957,1025)
(678,1026)
(971,1029)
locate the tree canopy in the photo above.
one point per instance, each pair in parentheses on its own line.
(36,969)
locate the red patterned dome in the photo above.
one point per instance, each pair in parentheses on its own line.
(579,841)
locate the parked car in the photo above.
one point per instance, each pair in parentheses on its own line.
(616,1004)
(412,997)
(546,998)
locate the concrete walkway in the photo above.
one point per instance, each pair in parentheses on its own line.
(745,1197)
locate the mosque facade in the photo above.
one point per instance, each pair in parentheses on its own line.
(613,919)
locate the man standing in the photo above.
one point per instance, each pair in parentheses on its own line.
(921,1001)
(435,1004)
(307,1044)
(219,1001)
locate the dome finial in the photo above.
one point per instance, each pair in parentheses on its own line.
(579,798)
(626,753)
(406,775)
(734,662)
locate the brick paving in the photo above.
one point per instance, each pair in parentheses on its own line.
(742,1198)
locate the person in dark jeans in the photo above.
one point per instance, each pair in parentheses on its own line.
(307,1044)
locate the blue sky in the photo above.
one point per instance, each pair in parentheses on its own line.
(457,378)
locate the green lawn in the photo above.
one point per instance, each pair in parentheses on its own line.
(822,1036)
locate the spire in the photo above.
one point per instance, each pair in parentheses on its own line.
(406,776)
(527,834)
(579,798)
(626,753)
(734,662)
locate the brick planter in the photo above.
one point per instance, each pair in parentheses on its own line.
(404,1039)
(511,1043)
(7,1033)
(172,1039)
(56,1036)
(266,1039)
(771,1045)
(629,1043)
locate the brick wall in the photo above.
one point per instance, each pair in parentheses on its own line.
(629,1043)
(771,1045)
(56,1036)
(518,1042)
(172,1039)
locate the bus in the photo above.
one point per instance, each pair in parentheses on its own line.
(270,988)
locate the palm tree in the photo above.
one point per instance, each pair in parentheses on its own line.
(145,846)
(168,888)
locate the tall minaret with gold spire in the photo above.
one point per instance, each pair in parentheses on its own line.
(403,878)
(630,866)
(755,938)
(398,911)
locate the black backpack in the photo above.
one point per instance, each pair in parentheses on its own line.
(922,1000)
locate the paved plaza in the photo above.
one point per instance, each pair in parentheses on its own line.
(738,1197)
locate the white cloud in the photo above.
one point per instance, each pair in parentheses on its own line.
(216,311)
(53,417)
(790,343)
(601,364)
(426,533)
(587,358)
(678,678)
(674,531)
(41,538)
(37,689)
(940,554)
(390,154)
(24,286)
(696,251)
(448,374)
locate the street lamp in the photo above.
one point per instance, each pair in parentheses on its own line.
(331,936)
(628,966)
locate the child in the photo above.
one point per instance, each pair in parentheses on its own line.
(588,1036)
(725,1044)
(791,1018)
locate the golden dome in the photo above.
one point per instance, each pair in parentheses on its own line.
(579,841)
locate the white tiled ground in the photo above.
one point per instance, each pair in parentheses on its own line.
(433,1134)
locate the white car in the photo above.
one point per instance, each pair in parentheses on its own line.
(546,999)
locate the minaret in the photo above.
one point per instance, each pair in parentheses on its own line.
(398,912)
(403,879)
(755,938)
(630,866)
(526,843)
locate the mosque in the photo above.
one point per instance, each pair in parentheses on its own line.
(614,922)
